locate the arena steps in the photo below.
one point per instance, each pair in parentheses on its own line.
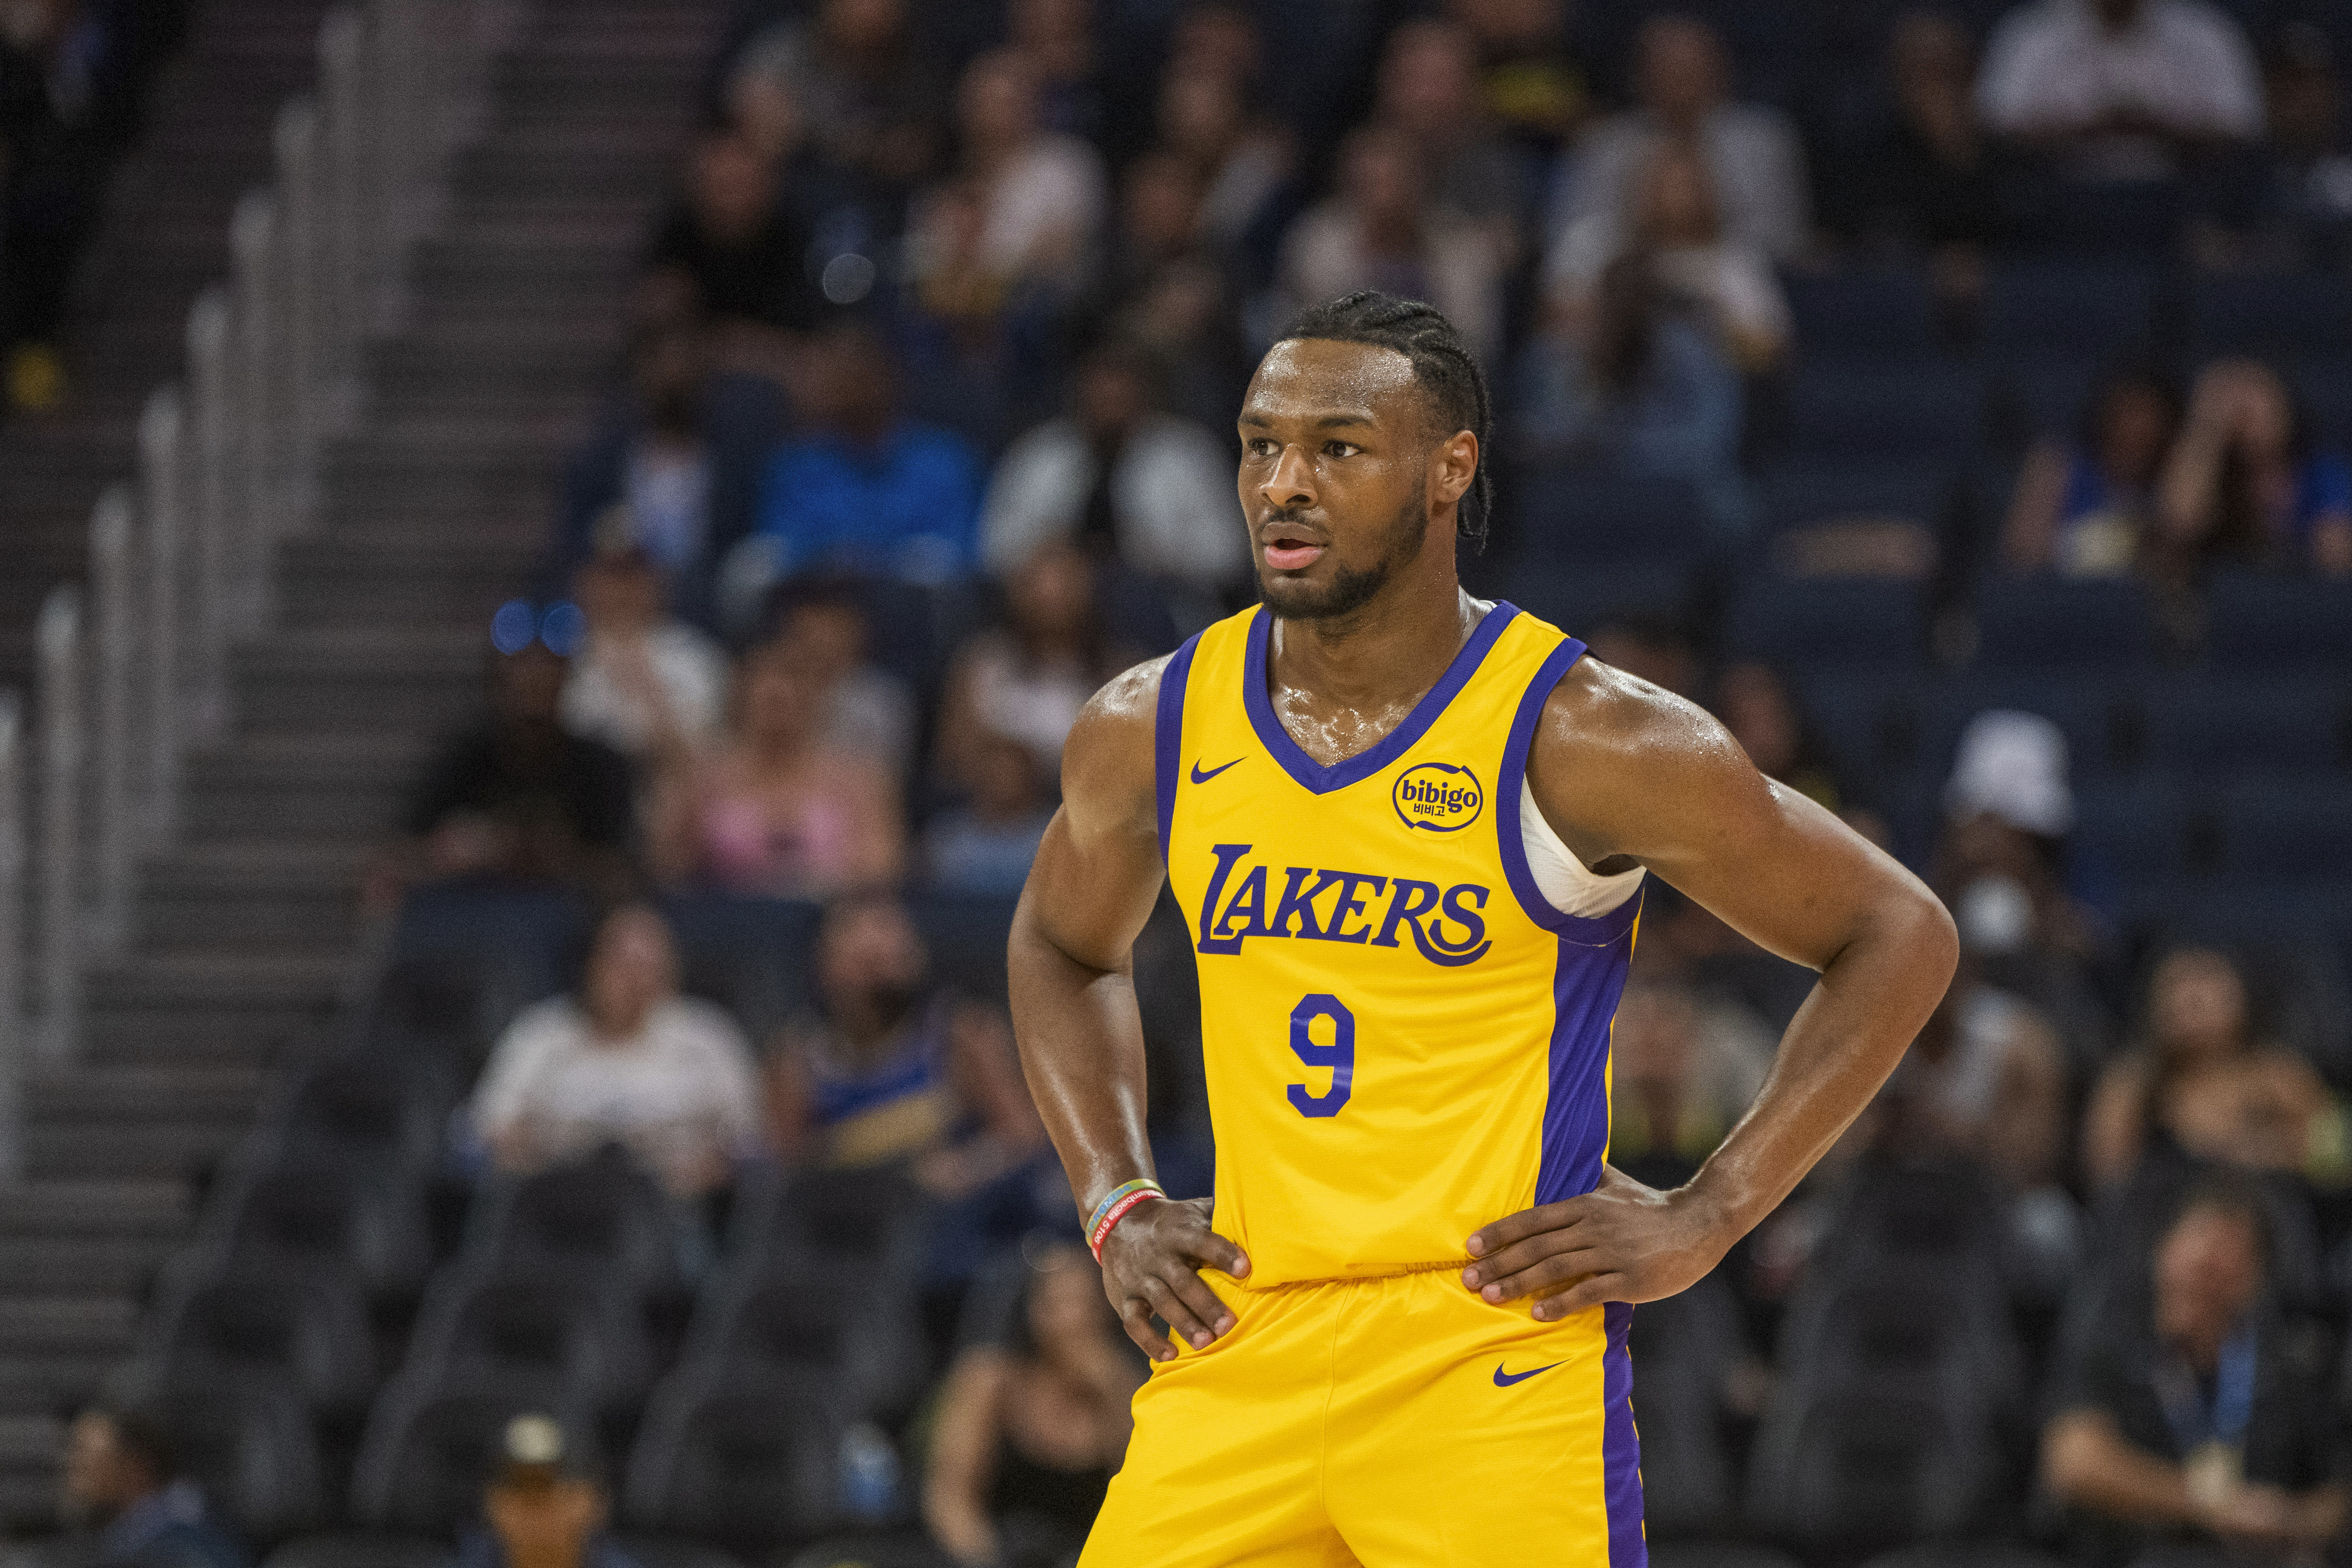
(261,895)
(434,505)
(206,1007)
(164,237)
(343,579)
(296,788)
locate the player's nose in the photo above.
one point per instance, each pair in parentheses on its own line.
(1291,481)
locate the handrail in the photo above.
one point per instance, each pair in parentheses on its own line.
(14,1045)
(134,669)
(57,932)
(113,616)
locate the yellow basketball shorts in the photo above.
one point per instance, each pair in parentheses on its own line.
(1392,1423)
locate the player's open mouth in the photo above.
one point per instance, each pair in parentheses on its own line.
(1290,554)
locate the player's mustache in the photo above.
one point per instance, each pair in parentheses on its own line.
(1286,517)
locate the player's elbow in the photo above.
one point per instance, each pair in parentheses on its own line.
(1929,934)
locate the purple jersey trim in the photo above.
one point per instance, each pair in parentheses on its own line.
(1395,744)
(1168,736)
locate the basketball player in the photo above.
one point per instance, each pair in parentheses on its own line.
(1408,831)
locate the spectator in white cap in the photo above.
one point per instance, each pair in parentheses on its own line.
(2012,766)
(2008,809)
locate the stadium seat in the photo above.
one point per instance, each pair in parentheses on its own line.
(1885,314)
(2048,623)
(1574,514)
(537,928)
(314,1216)
(2081,309)
(1919,1329)
(1911,414)
(430,1450)
(901,1548)
(258,1323)
(2201,728)
(1814,622)
(1860,1465)
(856,1332)
(2046,393)
(2134,834)
(2275,315)
(966,933)
(2089,710)
(1939,1217)
(750,955)
(670,1552)
(859,1220)
(1869,719)
(361,1548)
(1965,1555)
(380,1113)
(1801,494)
(2286,830)
(448,1007)
(586,1340)
(751,1466)
(1716,1554)
(2261,622)
(249,1443)
(600,1220)
(1578,598)
(1685,1347)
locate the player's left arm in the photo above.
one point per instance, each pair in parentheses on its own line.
(1623,770)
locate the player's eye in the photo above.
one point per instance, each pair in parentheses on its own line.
(1339,449)
(1259,447)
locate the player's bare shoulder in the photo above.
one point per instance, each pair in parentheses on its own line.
(1612,751)
(1106,761)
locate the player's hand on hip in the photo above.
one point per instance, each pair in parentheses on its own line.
(1619,1242)
(1151,1265)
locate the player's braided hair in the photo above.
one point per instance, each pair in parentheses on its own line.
(1442,364)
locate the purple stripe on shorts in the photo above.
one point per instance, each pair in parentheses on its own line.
(1620,1446)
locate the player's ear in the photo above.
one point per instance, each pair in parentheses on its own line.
(1453,464)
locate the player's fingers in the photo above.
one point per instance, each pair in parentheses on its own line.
(1135,1317)
(1543,1274)
(1194,1292)
(1180,1318)
(1590,1291)
(1497,1234)
(1221,1254)
(1519,1257)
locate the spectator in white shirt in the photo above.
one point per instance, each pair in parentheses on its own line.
(2121,89)
(1674,217)
(1117,475)
(627,1061)
(1041,195)
(1751,151)
(647,685)
(1385,229)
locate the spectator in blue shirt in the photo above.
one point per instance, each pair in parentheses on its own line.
(123,1479)
(865,489)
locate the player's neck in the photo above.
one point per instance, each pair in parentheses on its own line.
(1386,654)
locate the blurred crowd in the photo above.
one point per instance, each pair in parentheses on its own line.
(925,431)
(73,82)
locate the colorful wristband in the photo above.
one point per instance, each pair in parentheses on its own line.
(1115,1207)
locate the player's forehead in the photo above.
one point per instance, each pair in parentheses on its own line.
(1315,381)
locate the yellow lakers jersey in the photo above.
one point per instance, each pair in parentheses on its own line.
(1404,1039)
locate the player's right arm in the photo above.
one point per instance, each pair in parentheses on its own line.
(1095,878)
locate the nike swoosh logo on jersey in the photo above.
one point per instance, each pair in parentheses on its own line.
(1504,1379)
(1200,777)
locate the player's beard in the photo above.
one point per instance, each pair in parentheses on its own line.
(1350,590)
